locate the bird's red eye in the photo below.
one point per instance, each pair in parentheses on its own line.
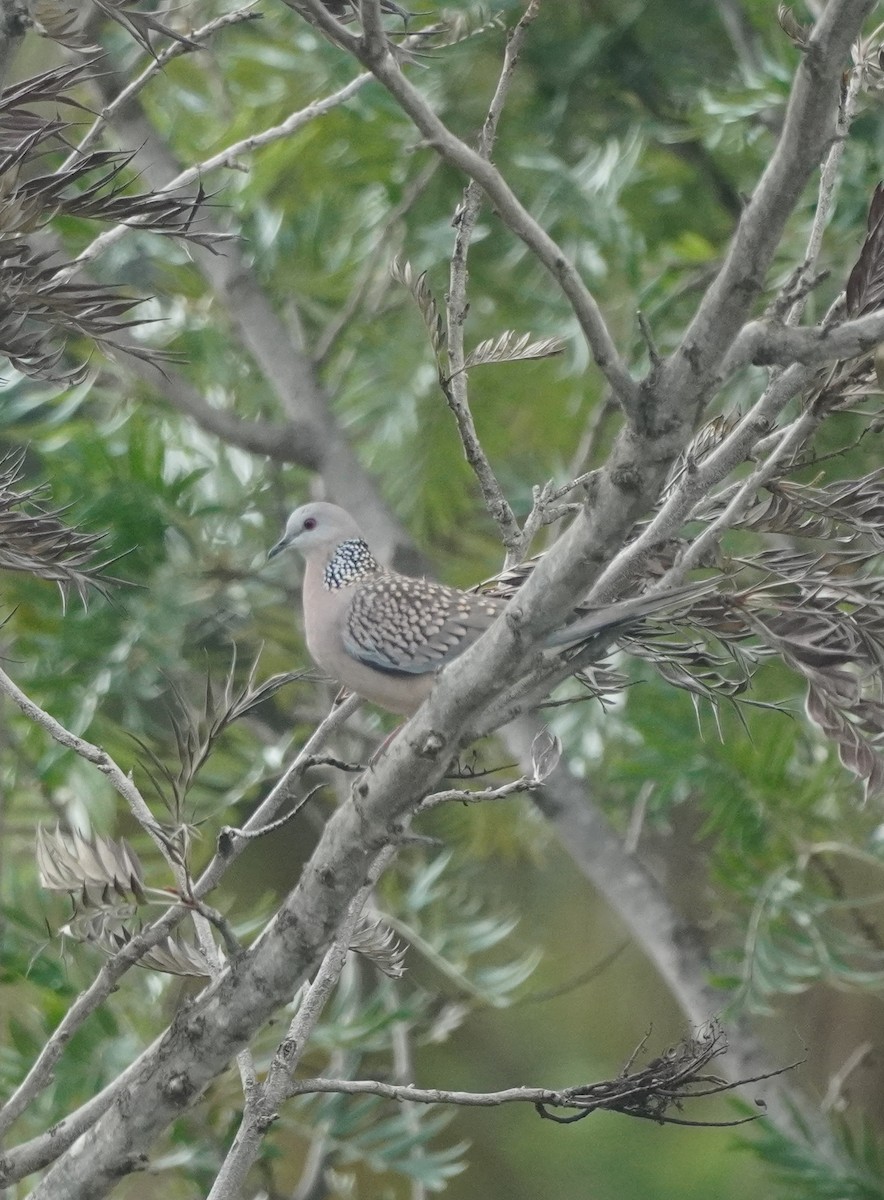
(310,523)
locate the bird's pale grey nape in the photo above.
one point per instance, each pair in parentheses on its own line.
(384,635)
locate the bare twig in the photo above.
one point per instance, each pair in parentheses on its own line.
(227,158)
(455,384)
(511,211)
(480,796)
(828,180)
(649,1092)
(156,65)
(102,761)
(698,480)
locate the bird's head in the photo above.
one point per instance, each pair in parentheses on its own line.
(316,527)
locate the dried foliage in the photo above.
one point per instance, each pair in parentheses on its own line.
(663,1084)
(822,618)
(45,301)
(348,10)
(865,285)
(36,541)
(105,881)
(506,347)
(373,940)
(792,27)
(512,347)
(707,439)
(820,613)
(423,297)
(196,728)
(140,24)
(96,872)
(111,933)
(67,23)
(546,752)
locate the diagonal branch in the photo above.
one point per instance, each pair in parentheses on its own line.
(193,42)
(228,157)
(33,1155)
(455,385)
(809,126)
(261,1108)
(382,63)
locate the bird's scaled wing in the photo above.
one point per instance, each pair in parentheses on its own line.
(413,626)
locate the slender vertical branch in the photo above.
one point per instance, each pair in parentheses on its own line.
(453,150)
(828,182)
(456,385)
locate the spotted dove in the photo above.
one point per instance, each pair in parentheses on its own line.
(384,635)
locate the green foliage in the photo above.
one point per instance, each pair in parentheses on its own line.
(849,1167)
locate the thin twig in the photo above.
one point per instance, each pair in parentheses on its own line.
(789,444)
(175,50)
(455,384)
(510,210)
(122,783)
(828,181)
(225,158)
(697,482)
(480,796)
(41,1071)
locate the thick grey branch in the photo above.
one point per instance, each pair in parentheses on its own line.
(766,342)
(692,371)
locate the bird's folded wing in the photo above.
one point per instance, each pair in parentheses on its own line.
(413,626)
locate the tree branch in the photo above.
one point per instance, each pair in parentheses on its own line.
(455,385)
(227,157)
(699,479)
(768,342)
(279,353)
(809,125)
(456,152)
(175,50)
(100,759)
(33,1155)
(262,1106)
(649,1092)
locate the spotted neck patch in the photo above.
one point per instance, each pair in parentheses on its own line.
(351,561)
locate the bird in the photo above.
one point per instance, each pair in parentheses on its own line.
(384,635)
